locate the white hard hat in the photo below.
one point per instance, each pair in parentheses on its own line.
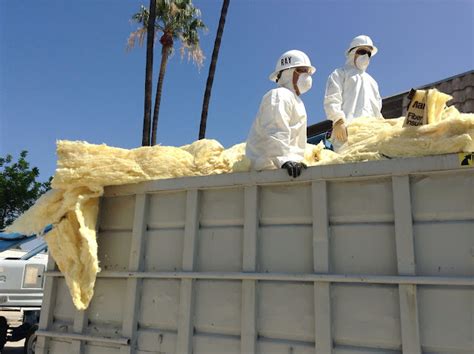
(362,41)
(291,59)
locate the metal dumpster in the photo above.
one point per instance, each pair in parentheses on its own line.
(373,257)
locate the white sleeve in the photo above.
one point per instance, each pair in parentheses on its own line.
(333,97)
(275,122)
(379,100)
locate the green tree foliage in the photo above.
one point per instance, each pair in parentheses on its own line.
(18,187)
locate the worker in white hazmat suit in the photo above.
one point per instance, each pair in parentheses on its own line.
(350,91)
(277,138)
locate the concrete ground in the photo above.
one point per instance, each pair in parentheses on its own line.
(14,319)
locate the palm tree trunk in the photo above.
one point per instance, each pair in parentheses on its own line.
(212,69)
(149,73)
(165,52)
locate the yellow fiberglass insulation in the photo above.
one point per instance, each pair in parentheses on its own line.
(374,138)
(84,169)
(72,241)
(72,244)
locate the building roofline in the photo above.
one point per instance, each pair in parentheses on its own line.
(433,83)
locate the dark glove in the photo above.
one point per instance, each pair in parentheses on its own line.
(294,168)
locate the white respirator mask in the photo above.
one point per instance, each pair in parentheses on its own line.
(304,83)
(362,62)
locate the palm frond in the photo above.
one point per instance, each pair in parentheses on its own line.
(179,19)
(138,35)
(190,47)
(141,16)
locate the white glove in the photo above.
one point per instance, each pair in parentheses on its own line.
(339,130)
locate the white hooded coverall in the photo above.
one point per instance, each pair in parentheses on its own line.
(278,133)
(351,93)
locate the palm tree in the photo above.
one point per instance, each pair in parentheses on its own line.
(176,20)
(212,69)
(149,65)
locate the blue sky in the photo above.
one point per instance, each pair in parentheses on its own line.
(65,74)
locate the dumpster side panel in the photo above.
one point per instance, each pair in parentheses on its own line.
(373,258)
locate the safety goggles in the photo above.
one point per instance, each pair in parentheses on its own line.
(364,52)
(303,70)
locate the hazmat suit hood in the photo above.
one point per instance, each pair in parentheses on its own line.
(304,82)
(286,80)
(350,61)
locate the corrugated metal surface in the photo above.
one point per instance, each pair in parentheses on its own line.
(461,87)
(361,258)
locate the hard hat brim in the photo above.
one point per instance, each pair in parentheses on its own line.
(273,75)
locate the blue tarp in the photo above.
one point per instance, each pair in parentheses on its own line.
(8,241)
(321,137)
